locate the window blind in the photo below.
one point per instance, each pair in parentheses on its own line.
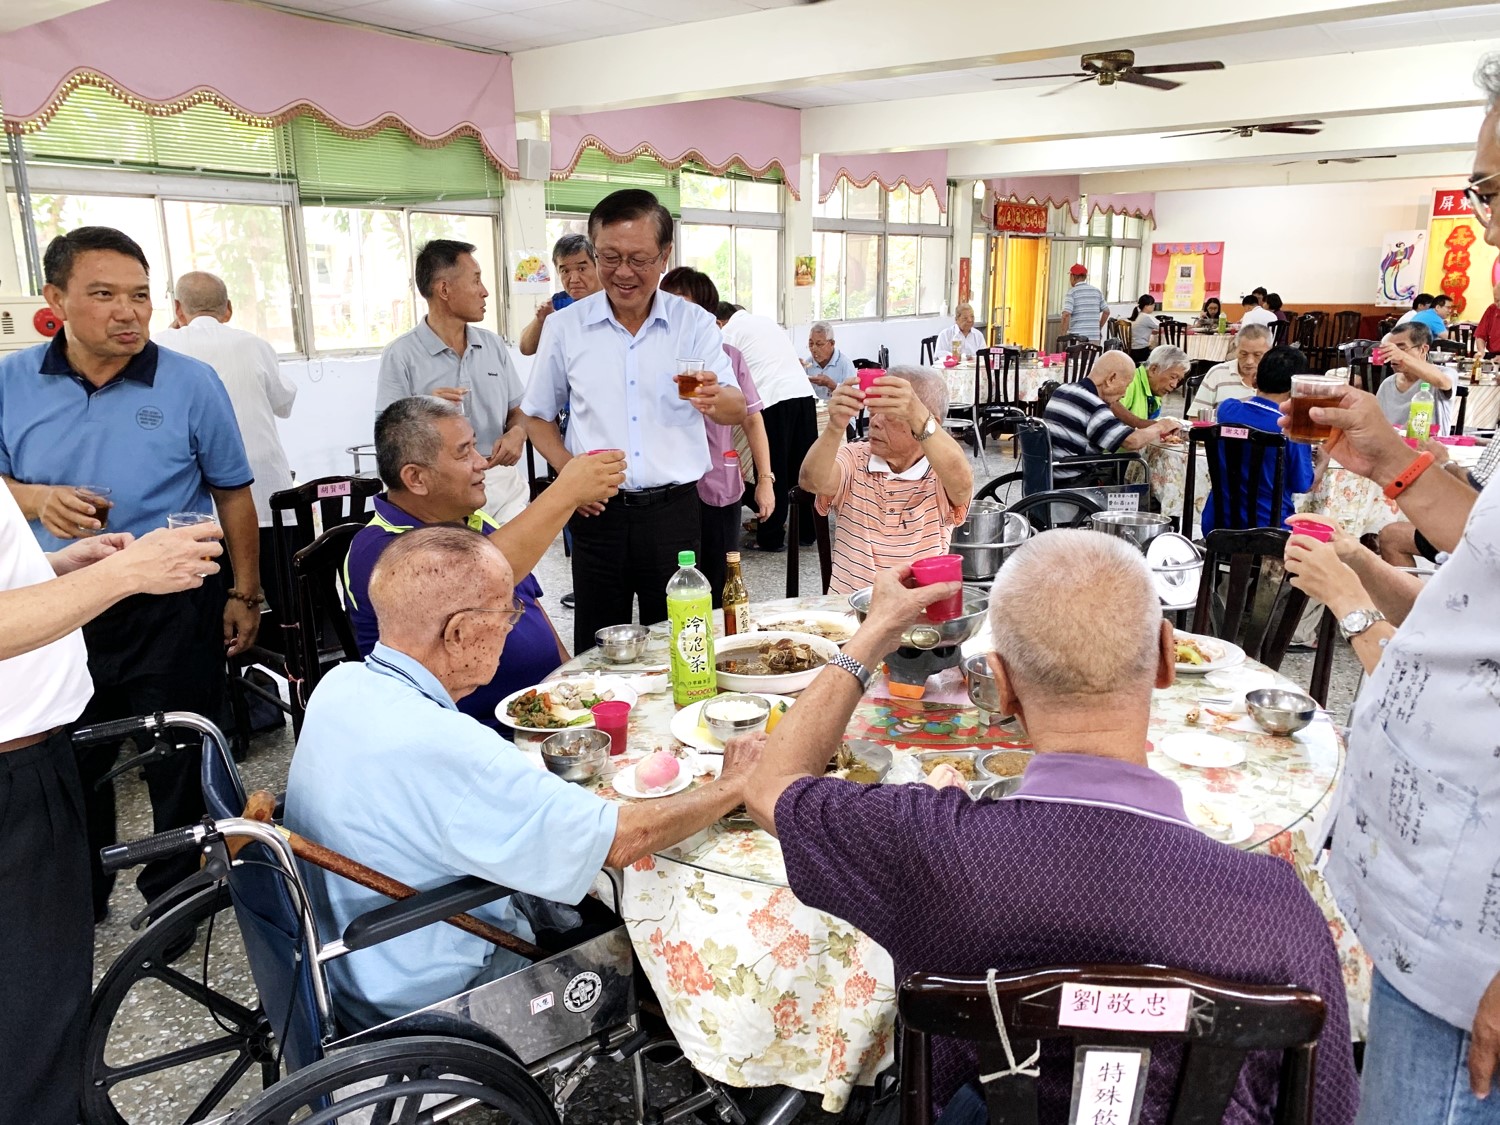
(597,176)
(387,167)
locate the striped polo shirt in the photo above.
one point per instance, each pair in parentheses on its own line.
(884,519)
(1081,423)
(1085,305)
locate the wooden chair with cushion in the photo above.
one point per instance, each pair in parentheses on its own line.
(1222,1023)
(1246,597)
(799,508)
(1463,335)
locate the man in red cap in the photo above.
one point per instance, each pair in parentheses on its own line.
(1083,308)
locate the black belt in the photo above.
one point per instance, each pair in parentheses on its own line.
(650,497)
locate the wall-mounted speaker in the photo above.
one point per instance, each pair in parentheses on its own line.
(533,159)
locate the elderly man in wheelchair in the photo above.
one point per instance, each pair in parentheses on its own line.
(393,790)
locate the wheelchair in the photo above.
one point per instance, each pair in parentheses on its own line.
(519,1045)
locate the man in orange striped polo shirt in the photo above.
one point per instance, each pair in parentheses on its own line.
(898,496)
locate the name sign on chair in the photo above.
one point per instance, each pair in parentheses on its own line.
(1241,432)
(338,488)
(1109,1085)
(1123,1008)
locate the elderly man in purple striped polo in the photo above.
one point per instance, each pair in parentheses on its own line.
(1092,859)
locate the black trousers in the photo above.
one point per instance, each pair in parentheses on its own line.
(628,553)
(721,534)
(791,429)
(47,933)
(152,654)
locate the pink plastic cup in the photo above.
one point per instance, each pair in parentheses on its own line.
(613,717)
(591,452)
(941,568)
(867,377)
(1312,529)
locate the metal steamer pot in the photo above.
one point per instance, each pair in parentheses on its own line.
(987,538)
(1135,527)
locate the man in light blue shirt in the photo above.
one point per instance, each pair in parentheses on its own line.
(389,772)
(612,359)
(828,367)
(1083,311)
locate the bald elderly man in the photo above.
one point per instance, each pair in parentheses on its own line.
(1091,860)
(1081,419)
(390,772)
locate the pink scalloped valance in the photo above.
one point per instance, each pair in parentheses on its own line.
(917,170)
(1138,205)
(716,133)
(1054,191)
(164,55)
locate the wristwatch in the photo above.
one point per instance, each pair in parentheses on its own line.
(1358,621)
(930,428)
(855,669)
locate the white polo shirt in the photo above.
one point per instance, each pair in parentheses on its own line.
(49,686)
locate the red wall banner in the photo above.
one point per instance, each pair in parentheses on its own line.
(1021,218)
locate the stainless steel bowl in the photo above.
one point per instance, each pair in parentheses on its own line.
(622,643)
(1280,710)
(993,762)
(576,755)
(994,787)
(725,729)
(1138,527)
(980,680)
(934,634)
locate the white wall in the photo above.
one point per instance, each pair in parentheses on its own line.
(1312,243)
(862,339)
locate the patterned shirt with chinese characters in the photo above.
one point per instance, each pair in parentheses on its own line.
(1092,860)
(1416,857)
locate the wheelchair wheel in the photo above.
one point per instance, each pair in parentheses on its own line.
(417,1078)
(207,1048)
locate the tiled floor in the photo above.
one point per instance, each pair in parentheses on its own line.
(155,1020)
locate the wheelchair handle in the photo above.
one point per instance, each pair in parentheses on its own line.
(118,729)
(116,857)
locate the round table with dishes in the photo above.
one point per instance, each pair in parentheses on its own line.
(762,990)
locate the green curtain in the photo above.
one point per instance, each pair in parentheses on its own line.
(388,167)
(597,176)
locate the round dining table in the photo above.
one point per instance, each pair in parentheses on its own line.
(960,380)
(762,990)
(1207,347)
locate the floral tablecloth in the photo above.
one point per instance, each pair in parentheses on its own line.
(1168,465)
(762,990)
(1209,347)
(960,381)
(1483,408)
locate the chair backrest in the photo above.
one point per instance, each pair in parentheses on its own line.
(1222,1023)
(1173,332)
(265,908)
(1121,328)
(867,365)
(335,500)
(1346,325)
(1236,473)
(1259,607)
(1307,331)
(537,482)
(1280,331)
(1080,361)
(1356,349)
(1463,334)
(800,507)
(1190,387)
(1043,396)
(929,349)
(884,356)
(1003,377)
(319,571)
(1386,325)
(1047,511)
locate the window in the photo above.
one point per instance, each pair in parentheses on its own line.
(731,230)
(361,289)
(880,253)
(979,276)
(245,244)
(736,192)
(1113,252)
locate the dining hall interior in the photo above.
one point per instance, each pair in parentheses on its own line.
(443,441)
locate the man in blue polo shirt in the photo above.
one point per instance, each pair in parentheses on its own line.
(101,405)
(1435,319)
(1261,411)
(434,471)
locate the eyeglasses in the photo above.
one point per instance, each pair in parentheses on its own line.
(1481,202)
(611,261)
(513,613)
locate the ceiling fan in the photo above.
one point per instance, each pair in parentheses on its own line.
(1340,159)
(1305,128)
(1108,67)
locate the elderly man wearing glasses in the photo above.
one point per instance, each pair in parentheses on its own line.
(434,474)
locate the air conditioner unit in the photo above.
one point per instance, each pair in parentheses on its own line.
(25,321)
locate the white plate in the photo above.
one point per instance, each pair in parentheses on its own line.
(788,622)
(1218,822)
(1222,654)
(790,681)
(685,728)
(1202,750)
(624,784)
(620,689)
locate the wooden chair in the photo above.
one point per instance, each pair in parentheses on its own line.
(1227,1022)
(1461,392)
(1280,332)
(1173,332)
(1463,335)
(1070,340)
(1345,326)
(325,636)
(1002,409)
(929,350)
(963,418)
(1305,335)
(1046,511)
(1385,326)
(799,508)
(1259,608)
(1080,361)
(1190,387)
(1236,470)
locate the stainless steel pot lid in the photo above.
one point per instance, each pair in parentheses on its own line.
(1176,568)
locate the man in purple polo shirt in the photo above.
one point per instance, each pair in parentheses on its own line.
(434,474)
(1092,859)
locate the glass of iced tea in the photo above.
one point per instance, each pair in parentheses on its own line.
(1309,391)
(99,496)
(689,377)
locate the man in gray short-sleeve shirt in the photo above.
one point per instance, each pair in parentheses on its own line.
(448,355)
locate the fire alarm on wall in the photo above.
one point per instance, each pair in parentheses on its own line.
(46,323)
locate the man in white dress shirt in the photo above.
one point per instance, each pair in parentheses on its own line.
(46,927)
(613,358)
(962,329)
(258,391)
(448,355)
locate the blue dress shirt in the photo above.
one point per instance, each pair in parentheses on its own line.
(160,434)
(388,772)
(620,389)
